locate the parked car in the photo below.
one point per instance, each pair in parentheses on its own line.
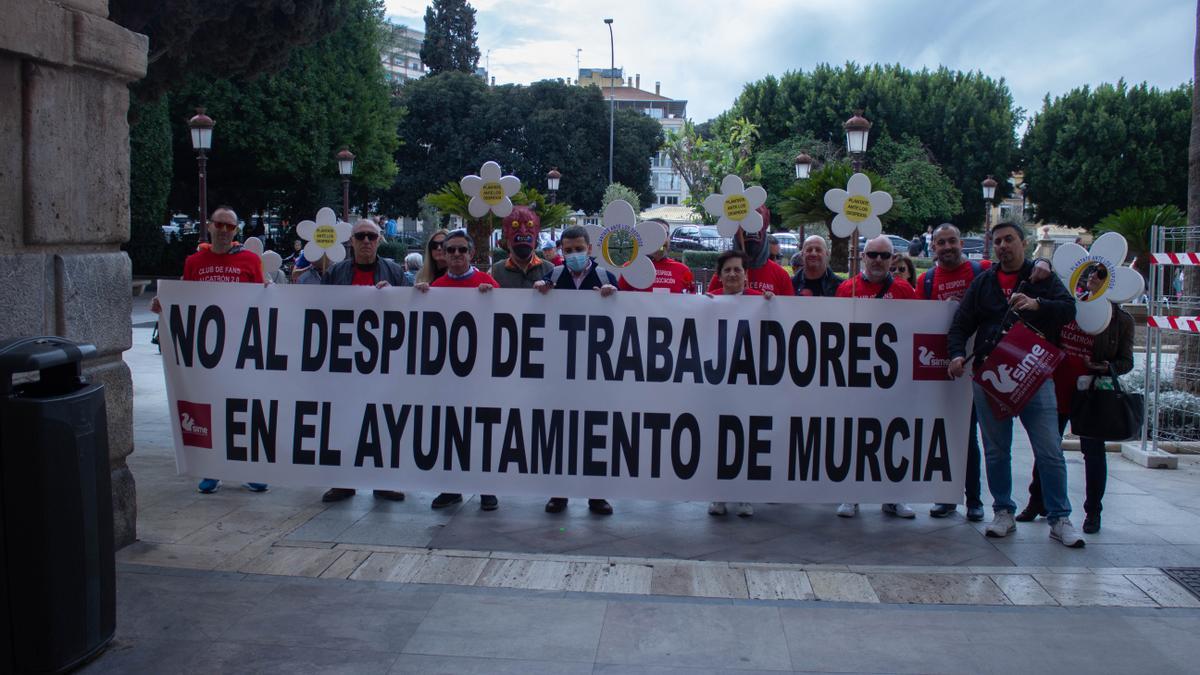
(699,238)
(972,246)
(900,244)
(789,245)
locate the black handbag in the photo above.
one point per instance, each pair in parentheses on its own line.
(1107,414)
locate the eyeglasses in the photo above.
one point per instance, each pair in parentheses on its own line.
(878,255)
(455,250)
(228,227)
(366,236)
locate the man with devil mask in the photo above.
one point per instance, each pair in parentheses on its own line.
(762,273)
(522,268)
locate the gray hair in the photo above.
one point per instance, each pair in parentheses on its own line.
(367,221)
(413,262)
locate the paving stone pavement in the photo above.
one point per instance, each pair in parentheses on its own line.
(374,586)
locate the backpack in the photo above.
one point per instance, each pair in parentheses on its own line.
(976,268)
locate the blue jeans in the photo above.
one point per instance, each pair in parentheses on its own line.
(1040,419)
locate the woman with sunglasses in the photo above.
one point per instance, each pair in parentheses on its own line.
(903,268)
(435,258)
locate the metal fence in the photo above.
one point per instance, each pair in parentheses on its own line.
(1171,375)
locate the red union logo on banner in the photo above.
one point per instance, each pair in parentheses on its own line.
(195,421)
(931,357)
(1015,369)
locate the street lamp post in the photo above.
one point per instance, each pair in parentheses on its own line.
(989,193)
(201,126)
(803,167)
(552,180)
(345,160)
(857,130)
(612,95)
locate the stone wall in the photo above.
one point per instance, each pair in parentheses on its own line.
(64,196)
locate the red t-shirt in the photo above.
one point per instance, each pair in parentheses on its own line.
(243,266)
(1077,346)
(363,277)
(669,274)
(769,277)
(950,284)
(1008,282)
(858,287)
(474,281)
(745,291)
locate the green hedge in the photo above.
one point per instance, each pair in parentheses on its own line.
(700,259)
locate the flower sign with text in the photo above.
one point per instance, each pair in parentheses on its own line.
(490,192)
(624,245)
(735,206)
(325,236)
(1097,280)
(857,207)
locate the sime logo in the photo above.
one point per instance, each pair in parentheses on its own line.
(195,422)
(931,357)
(928,358)
(1005,379)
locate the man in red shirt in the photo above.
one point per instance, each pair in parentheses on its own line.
(876,281)
(364,268)
(948,280)
(763,274)
(223,260)
(670,275)
(460,273)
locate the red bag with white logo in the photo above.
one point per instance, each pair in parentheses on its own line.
(1021,362)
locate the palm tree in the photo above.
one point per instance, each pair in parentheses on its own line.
(1134,223)
(452,200)
(804,203)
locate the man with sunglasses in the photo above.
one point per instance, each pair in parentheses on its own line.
(364,268)
(224,260)
(876,281)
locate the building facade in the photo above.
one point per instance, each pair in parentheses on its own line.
(669,188)
(401,55)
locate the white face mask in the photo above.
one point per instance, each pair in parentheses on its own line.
(576,262)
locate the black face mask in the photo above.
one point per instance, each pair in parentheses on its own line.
(753,247)
(522,251)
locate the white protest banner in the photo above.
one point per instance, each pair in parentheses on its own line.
(512,392)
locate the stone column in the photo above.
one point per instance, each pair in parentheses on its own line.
(64,196)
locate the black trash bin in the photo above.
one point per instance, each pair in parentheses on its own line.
(57,571)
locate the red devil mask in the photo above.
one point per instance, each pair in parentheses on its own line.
(521,231)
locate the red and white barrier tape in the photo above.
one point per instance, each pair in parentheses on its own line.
(1175,258)
(1185,323)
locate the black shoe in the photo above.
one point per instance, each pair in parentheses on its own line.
(337,494)
(1030,514)
(391,495)
(974,513)
(600,507)
(942,510)
(556,505)
(488,502)
(446,499)
(1091,523)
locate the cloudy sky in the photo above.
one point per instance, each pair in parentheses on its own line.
(705,51)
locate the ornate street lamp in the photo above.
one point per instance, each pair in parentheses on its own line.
(201,127)
(345,160)
(803,165)
(552,180)
(857,130)
(989,193)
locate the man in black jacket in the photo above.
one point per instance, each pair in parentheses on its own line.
(994,301)
(814,276)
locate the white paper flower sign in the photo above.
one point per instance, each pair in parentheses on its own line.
(490,191)
(1097,280)
(735,206)
(623,245)
(857,207)
(325,236)
(270,259)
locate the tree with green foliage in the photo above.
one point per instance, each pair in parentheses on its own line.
(454,122)
(967,121)
(190,38)
(929,196)
(804,203)
(276,135)
(704,162)
(149,183)
(1134,224)
(617,191)
(450,37)
(1091,151)
(451,200)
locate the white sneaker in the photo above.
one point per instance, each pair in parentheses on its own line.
(847,510)
(744,509)
(899,510)
(716,508)
(1064,531)
(1002,525)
